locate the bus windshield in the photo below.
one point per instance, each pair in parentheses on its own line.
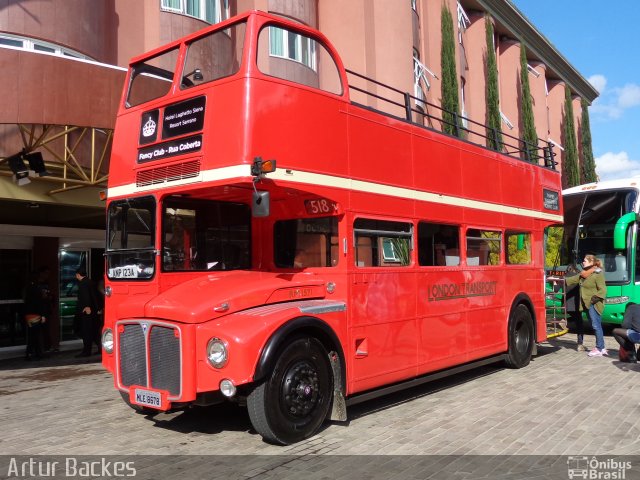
(201,235)
(130,238)
(590,220)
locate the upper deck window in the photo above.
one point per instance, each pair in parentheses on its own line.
(212,11)
(214,56)
(152,78)
(293,46)
(298,58)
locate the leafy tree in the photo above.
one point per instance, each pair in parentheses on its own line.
(519,254)
(450,99)
(554,242)
(494,123)
(588,163)
(529,134)
(570,174)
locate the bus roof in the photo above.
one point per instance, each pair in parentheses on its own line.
(633,182)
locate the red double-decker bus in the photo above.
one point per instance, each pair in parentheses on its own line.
(273,241)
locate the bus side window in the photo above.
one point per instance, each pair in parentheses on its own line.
(382,243)
(483,247)
(518,247)
(438,245)
(364,252)
(295,57)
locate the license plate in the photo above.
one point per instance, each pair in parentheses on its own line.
(124,272)
(147,398)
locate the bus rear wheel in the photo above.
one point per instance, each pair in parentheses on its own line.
(521,338)
(294,401)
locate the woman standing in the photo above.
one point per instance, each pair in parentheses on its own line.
(593,291)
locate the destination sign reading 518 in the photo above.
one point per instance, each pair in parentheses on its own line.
(321,206)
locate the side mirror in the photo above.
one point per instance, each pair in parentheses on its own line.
(620,230)
(260,204)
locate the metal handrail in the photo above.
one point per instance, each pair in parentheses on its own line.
(521,148)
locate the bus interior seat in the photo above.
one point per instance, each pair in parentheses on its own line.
(364,252)
(452,257)
(311,251)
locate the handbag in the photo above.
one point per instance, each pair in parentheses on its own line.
(623,355)
(32,319)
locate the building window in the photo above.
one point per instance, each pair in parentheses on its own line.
(211,11)
(463,110)
(463,22)
(292,46)
(33,45)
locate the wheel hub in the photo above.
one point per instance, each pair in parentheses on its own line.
(300,389)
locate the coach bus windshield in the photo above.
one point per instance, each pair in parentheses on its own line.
(590,221)
(130,238)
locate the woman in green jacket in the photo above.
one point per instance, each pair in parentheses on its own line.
(593,291)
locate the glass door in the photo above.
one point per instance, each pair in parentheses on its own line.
(70,261)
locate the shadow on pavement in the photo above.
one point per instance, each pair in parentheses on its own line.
(49,360)
(205,420)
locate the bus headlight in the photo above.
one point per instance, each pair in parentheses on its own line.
(107,340)
(616,300)
(217,354)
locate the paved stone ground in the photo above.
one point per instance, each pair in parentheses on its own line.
(562,404)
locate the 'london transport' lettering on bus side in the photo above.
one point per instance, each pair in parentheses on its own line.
(450,291)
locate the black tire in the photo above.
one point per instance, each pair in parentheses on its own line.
(521,338)
(137,408)
(294,401)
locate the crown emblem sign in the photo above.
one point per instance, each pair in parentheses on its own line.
(149,128)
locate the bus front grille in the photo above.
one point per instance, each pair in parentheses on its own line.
(150,357)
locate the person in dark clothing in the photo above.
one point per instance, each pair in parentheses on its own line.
(629,334)
(35,309)
(572,304)
(87,310)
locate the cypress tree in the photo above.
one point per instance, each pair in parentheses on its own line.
(494,132)
(450,98)
(588,163)
(570,174)
(529,134)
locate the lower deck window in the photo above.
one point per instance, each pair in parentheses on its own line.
(306,242)
(518,248)
(483,247)
(438,245)
(382,243)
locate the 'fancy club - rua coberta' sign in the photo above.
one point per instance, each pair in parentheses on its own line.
(177,119)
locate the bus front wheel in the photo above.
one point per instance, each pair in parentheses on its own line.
(520,337)
(293,402)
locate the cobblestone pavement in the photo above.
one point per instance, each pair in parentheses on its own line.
(563,403)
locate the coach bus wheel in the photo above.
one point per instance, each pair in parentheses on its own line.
(521,338)
(137,408)
(294,401)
